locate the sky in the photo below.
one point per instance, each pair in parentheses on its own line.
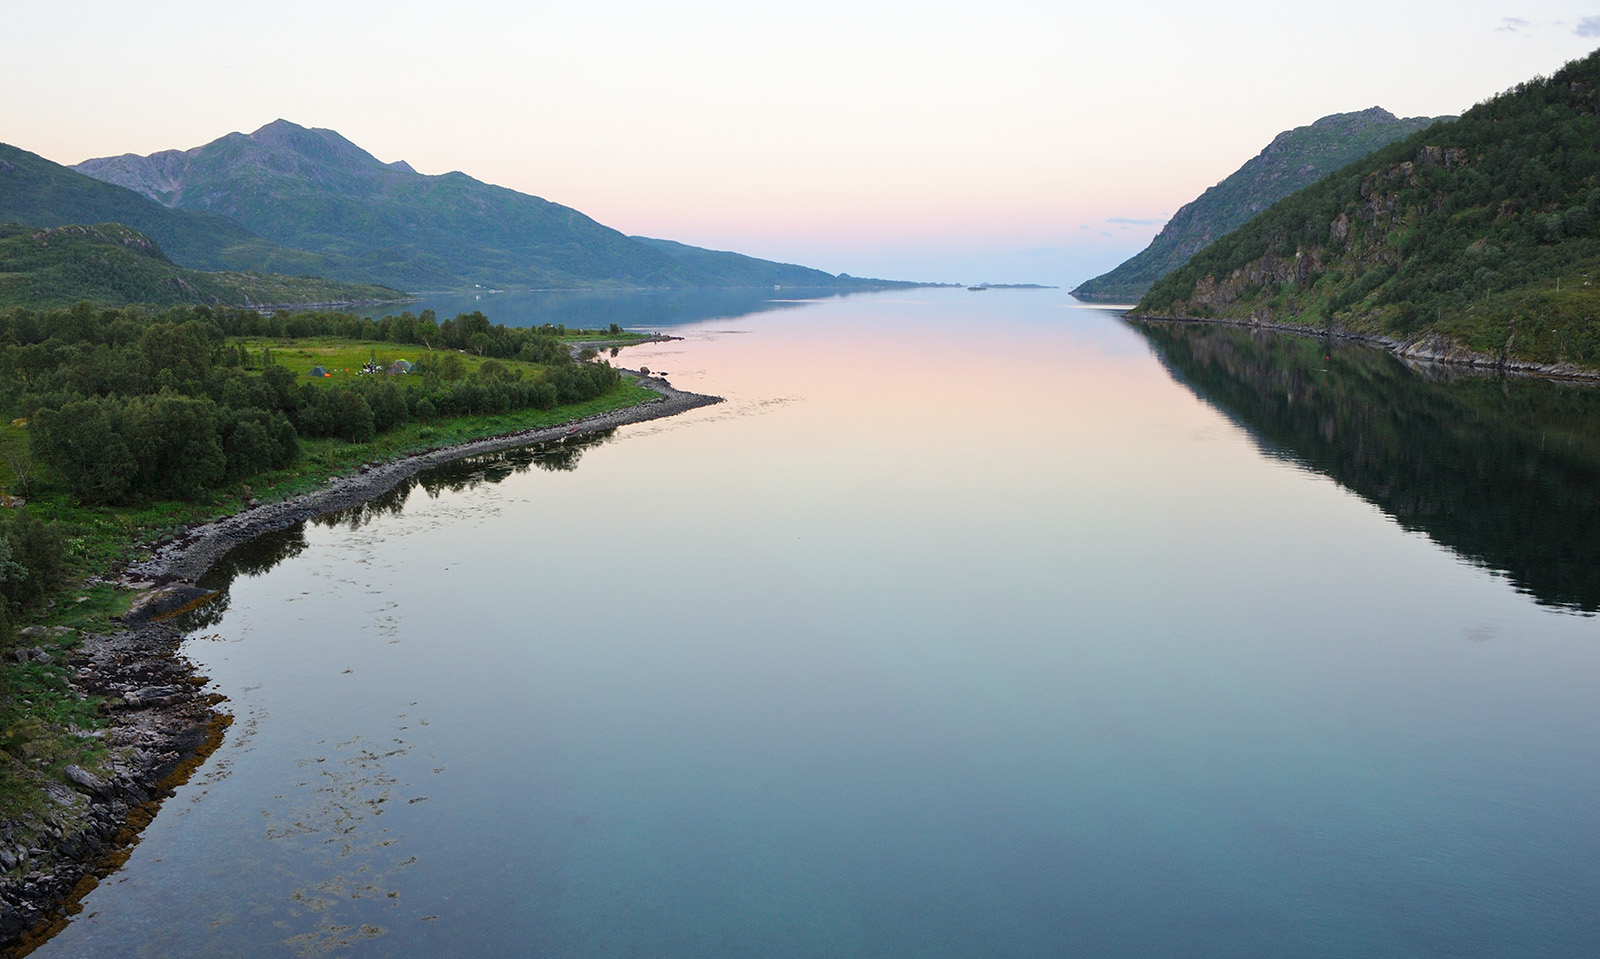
(1005,142)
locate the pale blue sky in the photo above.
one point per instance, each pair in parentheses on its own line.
(1004,141)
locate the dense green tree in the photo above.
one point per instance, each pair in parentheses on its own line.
(33,554)
(127,404)
(83,442)
(176,442)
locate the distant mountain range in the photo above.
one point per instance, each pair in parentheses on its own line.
(309,203)
(1294,159)
(313,190)
(1479,235)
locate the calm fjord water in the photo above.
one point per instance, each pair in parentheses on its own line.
(971,625)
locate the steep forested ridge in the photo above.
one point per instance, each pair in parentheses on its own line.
(1477,234)
(1294,159)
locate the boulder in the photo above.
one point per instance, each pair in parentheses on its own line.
(166,602)
(85,779)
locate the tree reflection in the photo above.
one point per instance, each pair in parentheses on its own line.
(257,556)
(1505,471)
(630,309)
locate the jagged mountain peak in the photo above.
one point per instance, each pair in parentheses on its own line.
(1370,113)
(312,143)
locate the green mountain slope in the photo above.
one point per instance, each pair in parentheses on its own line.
(1478,235)
(315,190)
(113,265)
(36,191)
(1294,159)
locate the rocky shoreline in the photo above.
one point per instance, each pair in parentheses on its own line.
(1424,349)
(160,724)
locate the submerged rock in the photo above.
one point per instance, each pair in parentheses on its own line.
(165,602)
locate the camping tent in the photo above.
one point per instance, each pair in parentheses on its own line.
(400,366)
(319,371)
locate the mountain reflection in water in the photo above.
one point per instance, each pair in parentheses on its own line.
(597,309)
(1505,471)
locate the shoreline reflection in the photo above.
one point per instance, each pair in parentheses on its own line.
(1503,471)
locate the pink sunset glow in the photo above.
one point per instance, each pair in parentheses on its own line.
(1010,143)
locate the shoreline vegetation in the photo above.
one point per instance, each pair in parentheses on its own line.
(100,716)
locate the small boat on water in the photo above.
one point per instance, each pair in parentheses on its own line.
(977,289)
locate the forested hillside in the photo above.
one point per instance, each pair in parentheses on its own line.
(1478,234)
(718,268)
(1294,159)
(111,264)
(40,193)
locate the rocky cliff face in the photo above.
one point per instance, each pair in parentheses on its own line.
(1294,159)
(158,176)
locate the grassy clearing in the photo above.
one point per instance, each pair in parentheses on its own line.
(1546,324)
(344,358)
(44,722)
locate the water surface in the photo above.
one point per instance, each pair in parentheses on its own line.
(963,628)
(598,309)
